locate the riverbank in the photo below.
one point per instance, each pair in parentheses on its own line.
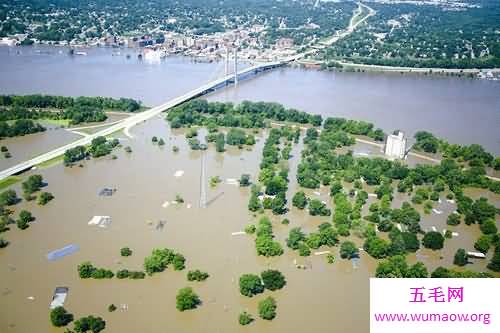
(343,66)
(380,68)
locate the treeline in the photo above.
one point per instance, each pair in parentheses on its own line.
(474,153)
(467,63)
(99,146)
(62,102)
(245,115)
(19,127)
(321,165)
(273,175)
(354,127)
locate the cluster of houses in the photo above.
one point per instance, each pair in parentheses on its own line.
(209,47)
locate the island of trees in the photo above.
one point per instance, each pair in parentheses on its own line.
(19,115)
(349,178)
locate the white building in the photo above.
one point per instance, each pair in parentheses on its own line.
(395,146)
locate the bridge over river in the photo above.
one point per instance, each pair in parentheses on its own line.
(205,89)
(150,113)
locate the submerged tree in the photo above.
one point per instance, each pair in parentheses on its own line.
(60,317)
(186,299)
(267,308)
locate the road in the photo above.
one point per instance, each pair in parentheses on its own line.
(127,123)
(352,26)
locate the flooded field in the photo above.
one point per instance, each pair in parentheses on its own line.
(317,299)
(26,147)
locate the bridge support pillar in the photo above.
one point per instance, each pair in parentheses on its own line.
(236,65)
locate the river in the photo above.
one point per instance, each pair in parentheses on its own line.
(321,298)
(462,111)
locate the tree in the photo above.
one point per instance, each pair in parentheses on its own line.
(433,240)
(335,188)
(348,250)
(44,198)
(245,318)
(245,180)
(85,270)
(273,279)
(483,244)
(396,267)
(75,154)
(250,229)
(90,323)
(3,243)
(453,219)
(25,217)
(295,237)
(276,185)
(197,275)
(160,259)
(494,264)
(264,243)
(304,250)
(219,143)
(460,258)
(417,271)
(267,308)
(235,137)
(179,262)
(32,184)
(412,243)
(123,274)
(426,141)
(488,227)
(187,299)
(250,285)
(161,142)
(299,200)
(316,207)
(376,247)
(482,210)
(254,203)
(125,252)
(278,205)
(8,198)
(60,317)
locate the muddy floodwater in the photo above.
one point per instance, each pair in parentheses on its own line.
(322,298)
(319,298)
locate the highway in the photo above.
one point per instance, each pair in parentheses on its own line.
(140,117)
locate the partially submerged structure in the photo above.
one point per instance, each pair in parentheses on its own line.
(101,221)
(395,146)
(107,192)
(59,297)
(478,255)
(62,252)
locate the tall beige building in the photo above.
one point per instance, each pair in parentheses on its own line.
(395,146)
